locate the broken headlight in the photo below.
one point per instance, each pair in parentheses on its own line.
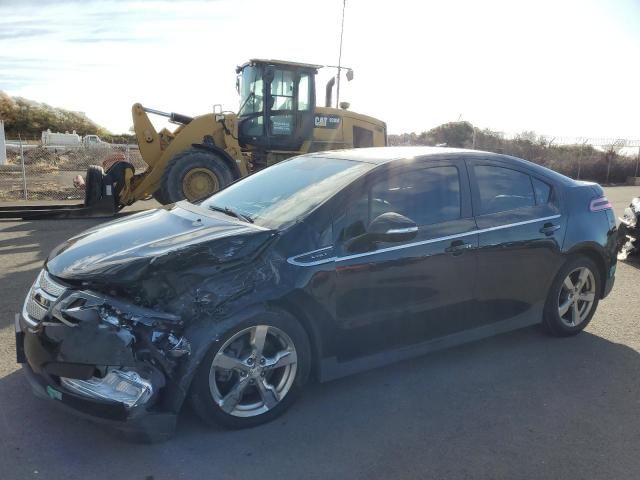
(118,386)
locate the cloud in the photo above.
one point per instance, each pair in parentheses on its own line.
(13,33)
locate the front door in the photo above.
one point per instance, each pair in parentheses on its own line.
(396,294)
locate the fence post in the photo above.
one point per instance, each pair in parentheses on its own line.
(24,173)
(580,157)
(3,145)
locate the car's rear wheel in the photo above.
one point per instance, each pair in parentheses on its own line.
(573,297)
(254,373)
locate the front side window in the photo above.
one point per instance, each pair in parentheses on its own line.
(288,191)
(427,196)
(501,189)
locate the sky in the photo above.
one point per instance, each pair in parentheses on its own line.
(558,67)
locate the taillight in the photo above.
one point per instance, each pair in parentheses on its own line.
(599,204)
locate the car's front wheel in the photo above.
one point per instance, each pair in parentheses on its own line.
(254,373)
(573,297)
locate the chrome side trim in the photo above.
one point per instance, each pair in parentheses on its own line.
(293,261)
(401,230)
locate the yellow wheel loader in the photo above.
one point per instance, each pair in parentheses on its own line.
(277,119)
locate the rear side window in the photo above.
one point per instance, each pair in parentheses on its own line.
(542,191)
(502,189)
(426,196)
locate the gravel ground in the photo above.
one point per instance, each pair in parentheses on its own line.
(521,405)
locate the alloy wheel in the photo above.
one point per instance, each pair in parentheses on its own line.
(577,296)
(253,371)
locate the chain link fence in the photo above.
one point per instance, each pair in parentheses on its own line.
(33,172)
(607,161)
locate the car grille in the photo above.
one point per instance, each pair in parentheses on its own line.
(41,297)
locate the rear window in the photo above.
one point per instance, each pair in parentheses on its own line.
(542,191)
(503,189)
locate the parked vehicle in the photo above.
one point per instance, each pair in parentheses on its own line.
(629,230)
(67,139)
(320,266)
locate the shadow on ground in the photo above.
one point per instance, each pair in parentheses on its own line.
(27,247)
(558,400)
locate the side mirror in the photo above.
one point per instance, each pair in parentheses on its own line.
(388,227)
(392,227)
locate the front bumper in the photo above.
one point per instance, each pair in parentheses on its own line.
(38,362)
(150,427)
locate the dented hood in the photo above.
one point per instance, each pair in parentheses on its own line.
(184,237)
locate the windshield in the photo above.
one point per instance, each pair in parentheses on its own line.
(250,91)
(287,191)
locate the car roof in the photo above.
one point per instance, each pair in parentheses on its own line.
(385,155)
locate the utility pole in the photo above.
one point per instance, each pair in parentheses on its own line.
(344,4)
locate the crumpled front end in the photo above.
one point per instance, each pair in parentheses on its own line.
(100,356)
(629,231)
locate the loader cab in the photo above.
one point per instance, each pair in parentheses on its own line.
(277,102)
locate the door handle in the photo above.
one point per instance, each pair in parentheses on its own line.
(549,228)
(457,247)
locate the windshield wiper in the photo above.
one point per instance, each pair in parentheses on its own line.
(249,97)
(231,213)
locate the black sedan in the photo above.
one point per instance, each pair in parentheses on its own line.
(320,266)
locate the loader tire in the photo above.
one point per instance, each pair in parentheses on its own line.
(193,175)
(157,195)
(93,185)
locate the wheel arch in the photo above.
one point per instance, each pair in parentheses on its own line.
(203,335)
(296,307)
(596,253)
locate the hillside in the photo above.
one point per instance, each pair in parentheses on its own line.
(27,119)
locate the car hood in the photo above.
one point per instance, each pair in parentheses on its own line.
(177,239)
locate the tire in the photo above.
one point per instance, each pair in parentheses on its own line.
(567,312)
(213,385)
(93,185)
(209,166)
(157,195)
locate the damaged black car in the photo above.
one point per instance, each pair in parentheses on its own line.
(317,267)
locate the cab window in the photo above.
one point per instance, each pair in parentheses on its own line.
(282,90)
(304,103)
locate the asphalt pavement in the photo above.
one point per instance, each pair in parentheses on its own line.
(520,405)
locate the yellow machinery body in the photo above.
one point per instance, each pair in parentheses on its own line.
(216,135)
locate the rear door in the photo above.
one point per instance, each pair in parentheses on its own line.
(397,294)
(520,235)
